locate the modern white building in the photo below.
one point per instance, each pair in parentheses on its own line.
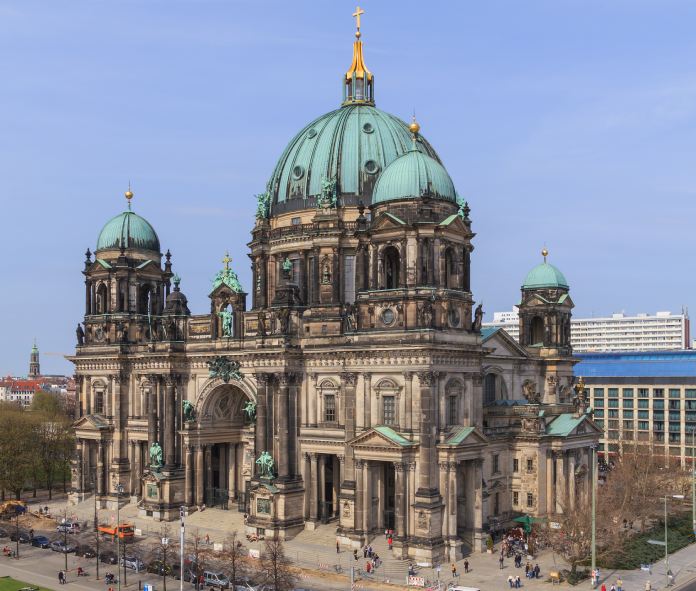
(618,332)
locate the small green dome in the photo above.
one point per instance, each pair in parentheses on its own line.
(129,230)
(352,145)
(414,175)
(545,275)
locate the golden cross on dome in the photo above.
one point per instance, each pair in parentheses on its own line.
(358,11)
(227,260)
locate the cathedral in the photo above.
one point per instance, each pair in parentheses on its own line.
(351,384)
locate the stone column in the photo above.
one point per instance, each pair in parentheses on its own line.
(260,442)
(322,487)
(100,467)
(133,473)
(313,486)
(400,496)
(208,470)
(430,260)
(283,443)
(315,275)
(444,490)
(188,486)
(478,504)
(200,459)
(571,480)
(560,482)
(550,489)
(427,480)
(337,276)
(451,502)
(360,495)
(169,422)
(312,399)
(407,420)
(152,410)
(349,381)
(367,497)
(436,261)
(367,389)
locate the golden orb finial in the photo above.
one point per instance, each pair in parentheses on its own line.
(544,253)
(129,194)
(414,127)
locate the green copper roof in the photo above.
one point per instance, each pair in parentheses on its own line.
(229,278)
(129,230)
(544,275)
(460,435)
(564,424)
(392,435)
(353,145)
(414,175)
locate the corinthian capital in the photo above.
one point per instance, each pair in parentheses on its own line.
(349,378)
(426,378)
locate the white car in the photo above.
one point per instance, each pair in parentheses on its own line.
(133,563)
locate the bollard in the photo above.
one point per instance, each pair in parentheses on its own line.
(140,585)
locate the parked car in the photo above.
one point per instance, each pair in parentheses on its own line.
(85,551)
(24,537)
(61,546)
(41,542)
(214,580)
(71,528)
(108,557)
(3,533)
(133,563)
(158,567)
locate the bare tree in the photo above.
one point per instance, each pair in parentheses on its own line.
(276,566)
(164,552)
(232,559)
(199,555)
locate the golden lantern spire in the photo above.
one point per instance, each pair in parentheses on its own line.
(227,260)
(544,253)
(358,84)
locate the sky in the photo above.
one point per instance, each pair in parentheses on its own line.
(565,123)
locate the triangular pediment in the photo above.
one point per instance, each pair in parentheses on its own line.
(453,224)
(386,221)
(382,436)
(91,422)
(572,425)
(465,437)
(503,345)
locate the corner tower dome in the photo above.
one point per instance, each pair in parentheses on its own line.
(128,230)
(350,146)
(414,175)
(545,275)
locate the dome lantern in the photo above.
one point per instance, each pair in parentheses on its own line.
(128,230)
(358,83)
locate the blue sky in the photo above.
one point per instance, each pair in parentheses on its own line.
(565,123)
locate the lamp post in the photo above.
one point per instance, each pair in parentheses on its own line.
(594,514)
(96,525)
(182,513)
(693,480)
(668,573)
(119,491)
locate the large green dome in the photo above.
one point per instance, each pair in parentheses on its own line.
(353,145)
(130,231)
(414,175)
(545,275)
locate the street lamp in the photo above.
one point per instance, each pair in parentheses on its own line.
(182,513)
(668,573)
(693,480)
(594,514)
(119,492)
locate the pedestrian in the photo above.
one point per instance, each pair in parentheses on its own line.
(60,577)
(619,584)
(527,568)
(648,586)
(368,568)
(511,581)
(518,583)
(612,588)
(603,587)
(364,551)
(537,570)
(207,539)
(390,541)
(355,554)
(454,570)
(500,562)
(466,566)
(338,548)
(386,534)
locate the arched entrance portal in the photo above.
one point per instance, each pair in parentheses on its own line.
(224,432)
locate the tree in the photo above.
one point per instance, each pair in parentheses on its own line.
(165,553)
(199,556)
(276,566)
(571,536)
(16,448)
(232,559)
(46,404)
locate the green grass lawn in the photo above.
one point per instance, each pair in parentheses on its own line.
(9,584)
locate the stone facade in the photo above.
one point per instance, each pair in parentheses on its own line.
(359,366)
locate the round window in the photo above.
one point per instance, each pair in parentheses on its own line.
(388,316)
(312,133)
(367,127)
(371,167)
(297,172)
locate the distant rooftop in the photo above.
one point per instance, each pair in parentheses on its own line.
(644,364)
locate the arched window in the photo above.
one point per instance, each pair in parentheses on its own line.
(450,271)
(391,267)
(101,299)
(536,331)
(388,392)
(490,388)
